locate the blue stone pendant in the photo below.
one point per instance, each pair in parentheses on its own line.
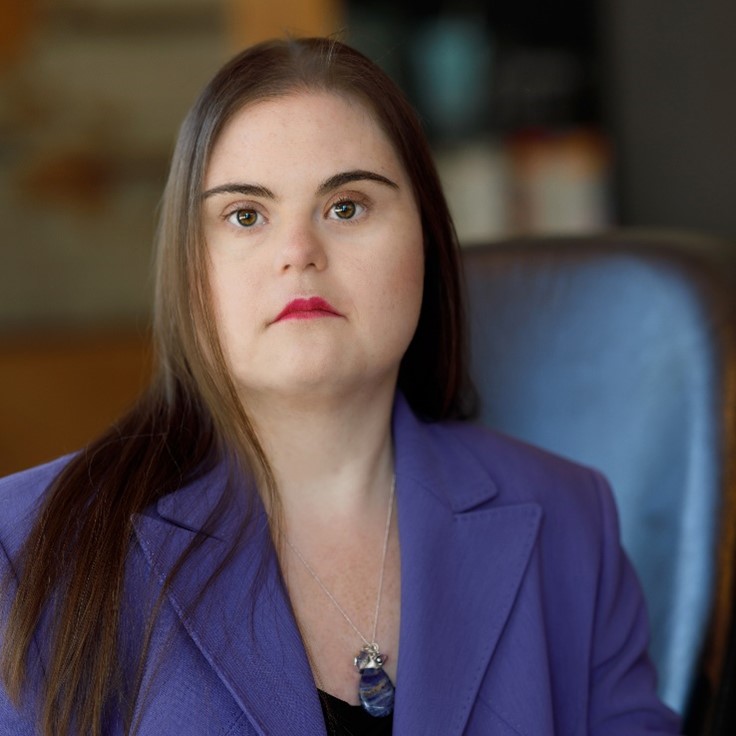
(376,691)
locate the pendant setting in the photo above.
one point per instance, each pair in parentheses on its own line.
(376,691)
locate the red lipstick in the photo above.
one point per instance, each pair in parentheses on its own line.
(307,309)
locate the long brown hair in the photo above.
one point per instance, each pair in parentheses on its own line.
(73,562)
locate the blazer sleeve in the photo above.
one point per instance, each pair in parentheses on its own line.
(14,721)
(623,697)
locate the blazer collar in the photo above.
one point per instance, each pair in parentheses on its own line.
(463,556)
(243,624)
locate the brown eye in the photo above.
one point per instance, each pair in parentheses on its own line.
(246,218)
(344,210)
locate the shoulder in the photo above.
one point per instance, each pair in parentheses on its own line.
(21,492)
(578,519)
(521,472)
(469,466)
(20,497)
(577,509)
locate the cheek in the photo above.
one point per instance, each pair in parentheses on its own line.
(233,307)
(221,299)
(404,292)
(411,283)
(409,271)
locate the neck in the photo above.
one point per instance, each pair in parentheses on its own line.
(332,460)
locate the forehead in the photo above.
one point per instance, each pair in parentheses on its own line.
(314,127)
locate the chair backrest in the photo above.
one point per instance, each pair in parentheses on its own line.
(613,351)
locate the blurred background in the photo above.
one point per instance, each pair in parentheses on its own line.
(546,116)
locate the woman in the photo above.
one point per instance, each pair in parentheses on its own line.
(293,532)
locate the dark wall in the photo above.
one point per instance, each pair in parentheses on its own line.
(671,102)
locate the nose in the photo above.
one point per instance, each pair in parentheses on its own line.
(301,249)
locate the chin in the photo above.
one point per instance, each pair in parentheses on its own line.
(319,388)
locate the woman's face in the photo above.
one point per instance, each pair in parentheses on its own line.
(315,248)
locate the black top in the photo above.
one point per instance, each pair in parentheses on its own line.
(343,719)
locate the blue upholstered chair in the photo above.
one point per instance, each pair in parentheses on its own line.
(618,351)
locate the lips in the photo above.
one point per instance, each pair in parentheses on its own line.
(312,308)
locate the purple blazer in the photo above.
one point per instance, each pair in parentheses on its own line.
(520,614)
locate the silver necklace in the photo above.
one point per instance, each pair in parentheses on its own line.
(376,691)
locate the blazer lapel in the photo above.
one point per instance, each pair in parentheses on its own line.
(251,642)
(462,562)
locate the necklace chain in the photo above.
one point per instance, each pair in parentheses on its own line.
(317,579)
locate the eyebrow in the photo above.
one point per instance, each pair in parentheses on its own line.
(346,177)
(250,190)
(333,182)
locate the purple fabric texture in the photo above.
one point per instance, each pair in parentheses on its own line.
(520,614)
